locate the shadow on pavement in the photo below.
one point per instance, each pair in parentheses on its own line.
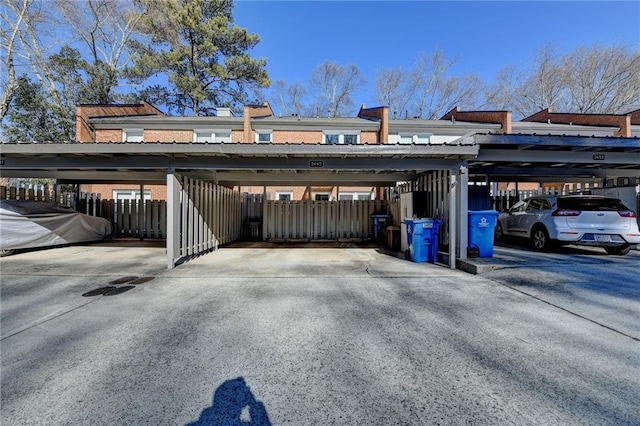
(233,404)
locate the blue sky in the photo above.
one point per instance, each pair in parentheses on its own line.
(484,36)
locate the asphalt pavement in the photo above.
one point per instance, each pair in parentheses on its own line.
(304,336)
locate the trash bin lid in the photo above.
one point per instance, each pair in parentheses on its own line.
(484,212)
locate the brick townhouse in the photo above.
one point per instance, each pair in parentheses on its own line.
(143,123)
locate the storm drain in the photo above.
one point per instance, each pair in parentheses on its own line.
(123,280)
(141,280)
(98,291)
(119,290)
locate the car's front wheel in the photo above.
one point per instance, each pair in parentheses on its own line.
(499,233)
(6,252)
(540,239)
(619,250)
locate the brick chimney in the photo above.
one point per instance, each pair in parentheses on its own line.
(381,113)
(254,111)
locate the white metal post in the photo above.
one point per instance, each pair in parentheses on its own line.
(463,209)
(453,219)
(173,217)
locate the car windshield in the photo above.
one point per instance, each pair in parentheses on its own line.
(591,204)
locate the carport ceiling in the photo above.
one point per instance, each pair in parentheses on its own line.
(233,164)
(536,157)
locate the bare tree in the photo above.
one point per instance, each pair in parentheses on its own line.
(290,97)
(391,89)
(28,22)
(601,80)
(105,27)
(502,94)
(12,18)
(334,85)
(589,79)
(544,87)
(428,90)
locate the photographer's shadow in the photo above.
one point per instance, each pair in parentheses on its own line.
(233,404)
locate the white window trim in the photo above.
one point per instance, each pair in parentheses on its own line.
(404,135)
(126,132)
(278,193)
(130,194)
(427,135)
(340,134)
(213,134)
(264,132)
(355,194)
(414,137)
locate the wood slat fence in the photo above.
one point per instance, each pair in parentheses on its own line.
(320,220)
(504,199)
(210,215)
(129,218)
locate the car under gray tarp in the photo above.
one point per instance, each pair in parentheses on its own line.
(31,224)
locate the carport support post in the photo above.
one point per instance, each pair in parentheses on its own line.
(173,218)
(453,219)
(463,211)
(141,213)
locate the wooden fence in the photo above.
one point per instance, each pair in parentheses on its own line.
(129,218)
(504,199)
(210,216)
(320,220)
(31,192)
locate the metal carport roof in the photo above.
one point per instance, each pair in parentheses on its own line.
(509,157)
(233,164)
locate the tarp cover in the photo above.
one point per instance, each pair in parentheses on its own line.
(27,224)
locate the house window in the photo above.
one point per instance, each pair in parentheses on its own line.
(203,136)
(350,139)
(284,195)
(263,137)
(322,197)
(424,138)
(218,136)
(130,194)
(331,139)
(354,196)
(132,135)
(223,137)
(406,139)
(338,137)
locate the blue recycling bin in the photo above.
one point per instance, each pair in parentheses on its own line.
(378,224)
(482,224)
(422,238)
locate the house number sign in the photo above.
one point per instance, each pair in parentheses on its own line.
(316,163)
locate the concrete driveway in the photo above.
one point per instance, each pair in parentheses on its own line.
(299,336)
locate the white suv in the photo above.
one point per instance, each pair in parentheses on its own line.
(583,220)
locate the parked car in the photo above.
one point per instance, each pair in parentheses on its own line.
(31,224)
(549,220)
